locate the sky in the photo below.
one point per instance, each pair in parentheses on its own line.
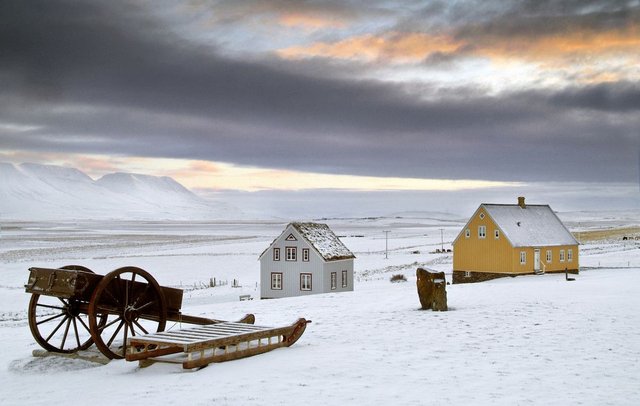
(348,95)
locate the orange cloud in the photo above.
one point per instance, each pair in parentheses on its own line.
(204,166)
(310,22)
(560,46)
(415,47)
(394,47)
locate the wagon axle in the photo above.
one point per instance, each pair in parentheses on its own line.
(130,315)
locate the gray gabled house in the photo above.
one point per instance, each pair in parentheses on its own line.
(307,258)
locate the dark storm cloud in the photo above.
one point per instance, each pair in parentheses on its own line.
(104,78)
(518,23)
(534,17)
(620,97)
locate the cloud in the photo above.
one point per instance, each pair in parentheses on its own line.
(310,21)
(394,47)
(515,38)
(102,78)
(557,42)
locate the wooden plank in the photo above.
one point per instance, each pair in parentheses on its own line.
(234,327)
(197,333)
(173,298)
(63,283)
(135,355)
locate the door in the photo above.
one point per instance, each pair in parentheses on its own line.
(536,260)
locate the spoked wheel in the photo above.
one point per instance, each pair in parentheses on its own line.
(58,324)
(133,304)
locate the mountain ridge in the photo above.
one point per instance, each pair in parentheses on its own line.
(50,192)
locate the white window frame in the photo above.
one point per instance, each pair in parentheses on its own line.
(569,255)
(276,280)
(467,233)
(276,254)
(334,280)
(305,254)
(482,231)
(481,216)
(291,253)
(344,278)
(306,281)
(549,256)
(561,255)
(523,257)
(496,234)
(467,274)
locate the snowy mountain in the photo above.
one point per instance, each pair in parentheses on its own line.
(45,192)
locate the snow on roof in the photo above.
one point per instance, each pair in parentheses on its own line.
(323,240)
(533,225)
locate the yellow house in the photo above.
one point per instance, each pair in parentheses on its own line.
(513,239)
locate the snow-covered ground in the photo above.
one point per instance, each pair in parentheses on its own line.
(526,340)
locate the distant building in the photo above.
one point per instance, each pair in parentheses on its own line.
(307,258)
(513,239)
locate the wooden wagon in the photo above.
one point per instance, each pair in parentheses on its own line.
(72,308)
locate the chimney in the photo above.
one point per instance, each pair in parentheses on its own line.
(521,202)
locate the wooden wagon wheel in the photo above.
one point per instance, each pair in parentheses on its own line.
(58,324)
(133,303)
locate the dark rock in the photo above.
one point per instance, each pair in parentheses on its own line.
(432,289)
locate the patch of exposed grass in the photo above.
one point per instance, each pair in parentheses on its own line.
(398,278)
(607,234)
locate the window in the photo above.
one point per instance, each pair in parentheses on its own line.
(291,254)
(481,216)
(467,233)
(276,280)
(334,280)
(523,257)
(561,255)
(549,257)
(496,234)
(344,279)
(482,231)
(467,274)
(276,254)
(305,254)
(569,255)
(305,281)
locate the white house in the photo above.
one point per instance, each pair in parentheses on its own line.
(307,258)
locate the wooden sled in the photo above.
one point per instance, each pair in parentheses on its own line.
(205,344)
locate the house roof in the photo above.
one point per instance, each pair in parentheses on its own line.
(322,239)
(531,226)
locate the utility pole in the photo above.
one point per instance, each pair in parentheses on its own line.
(386,244)
(442,239)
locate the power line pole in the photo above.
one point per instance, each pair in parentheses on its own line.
(386,244)
(442,239)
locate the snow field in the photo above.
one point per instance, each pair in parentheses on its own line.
(525,340)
